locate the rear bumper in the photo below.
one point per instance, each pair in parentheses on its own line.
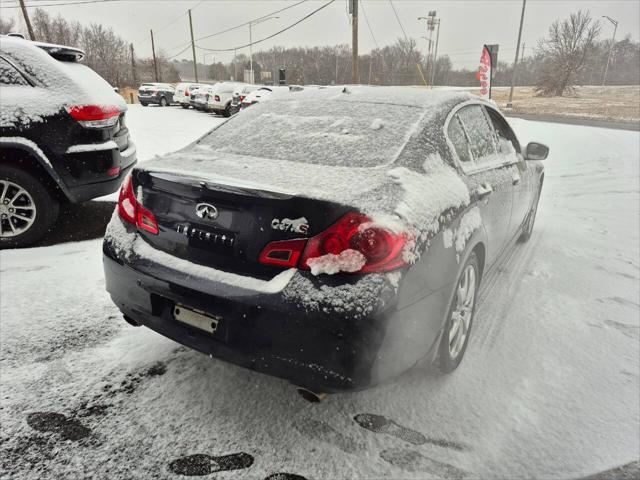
(323,350)
(91,172)
(155,99)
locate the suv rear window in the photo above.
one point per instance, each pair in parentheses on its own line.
(356,134)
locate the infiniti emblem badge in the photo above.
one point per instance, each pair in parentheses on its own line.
(206,211)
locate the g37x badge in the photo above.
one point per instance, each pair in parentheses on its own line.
(298,225)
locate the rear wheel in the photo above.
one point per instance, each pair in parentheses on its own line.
(531,219)
(185,106)
(144,104)
(163,102)
(227,111)
(457,329)
(27,209)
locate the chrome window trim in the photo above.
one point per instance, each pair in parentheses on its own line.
(475,168)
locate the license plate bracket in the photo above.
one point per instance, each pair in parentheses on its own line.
(196,318)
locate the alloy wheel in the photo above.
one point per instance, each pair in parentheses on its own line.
(461,316)
(17,209)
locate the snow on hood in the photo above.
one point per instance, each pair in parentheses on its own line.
(58,84)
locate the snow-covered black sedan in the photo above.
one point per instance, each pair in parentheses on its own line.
(334,238)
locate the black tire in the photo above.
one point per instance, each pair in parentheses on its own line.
(163,101)
(144,104)
(527,230)
(227,111)
(184,106)
(447,362)
(47,207)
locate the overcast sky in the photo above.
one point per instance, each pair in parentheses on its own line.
(465,24)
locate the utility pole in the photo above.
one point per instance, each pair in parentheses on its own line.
(613,42)
(431,24)
(193,48)
(515,62)
(522,56)
(26,20)
(155,61)
(354,42)
(134,70)
(250,53)
(435,56)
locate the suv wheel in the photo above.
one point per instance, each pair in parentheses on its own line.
(457,329)
(185,106)
(163,102)
(227,111)
(27,208)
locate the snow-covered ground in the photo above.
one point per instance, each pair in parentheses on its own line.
(548,388)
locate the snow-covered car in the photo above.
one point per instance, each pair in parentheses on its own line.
(63,136)
(156,93)
(340,246)
(199,97)
(263,94)
(182,95)
(238,97)
(220,96)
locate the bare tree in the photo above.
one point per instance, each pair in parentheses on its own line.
(565,50)
(7,25)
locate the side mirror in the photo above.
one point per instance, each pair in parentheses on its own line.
(536,151)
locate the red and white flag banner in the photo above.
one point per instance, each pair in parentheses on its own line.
(484,73)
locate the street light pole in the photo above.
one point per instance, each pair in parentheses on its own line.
(435,57)
(515,62)
(251,23)
(613,42)
(431,23)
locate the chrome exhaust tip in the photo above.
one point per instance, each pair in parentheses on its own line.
(310,396)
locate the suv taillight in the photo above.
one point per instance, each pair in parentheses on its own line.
(381,248)
(95,116)
(186,93)
(217,98)
(132,211)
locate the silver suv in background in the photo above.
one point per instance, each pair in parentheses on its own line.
(157,93)
(182,96)
(220,96)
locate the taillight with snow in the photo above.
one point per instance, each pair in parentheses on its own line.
(95,116)
(355,243)
(132,211)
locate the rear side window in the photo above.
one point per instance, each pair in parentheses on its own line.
(9,75)
(479,132)
(507,141)
(459,140)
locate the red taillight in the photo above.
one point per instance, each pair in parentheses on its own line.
(131,211)
(95,116)
(217,98)
(242,97)
(186,93)
(381,248)
(284,253)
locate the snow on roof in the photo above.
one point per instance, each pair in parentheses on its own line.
(58,84)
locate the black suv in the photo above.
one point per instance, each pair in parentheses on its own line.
(63,137)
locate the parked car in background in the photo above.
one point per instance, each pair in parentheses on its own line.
(156,93)
(182,95)
(198,97)
(220,97)
(263,94)
(238,96)
(63,137)
(334,238)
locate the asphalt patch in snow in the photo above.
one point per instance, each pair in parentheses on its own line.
(380,424)
(53,422)
(201,464)
(285,476)
(413,461)
(77,222)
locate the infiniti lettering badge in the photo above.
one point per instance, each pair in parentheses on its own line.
(207,211)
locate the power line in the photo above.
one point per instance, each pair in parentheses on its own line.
(399,22)
(240,25)
(170,23)
(368,24)
(270,36)
(62,4)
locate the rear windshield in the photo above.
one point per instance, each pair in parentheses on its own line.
(333,133)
